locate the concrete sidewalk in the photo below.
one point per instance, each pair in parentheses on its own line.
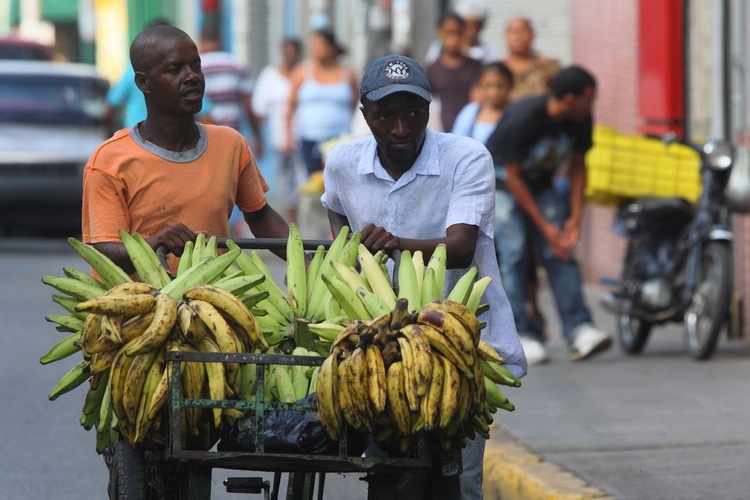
(658,425)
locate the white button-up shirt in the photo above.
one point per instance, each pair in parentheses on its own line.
(452,182)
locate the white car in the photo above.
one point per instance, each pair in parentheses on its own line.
(51,120)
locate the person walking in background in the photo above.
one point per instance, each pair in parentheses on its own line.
(479,118)
(270,101)
(531,73)
(322,100)
(534,136)
(531,70)
(229,87)
(474,14)
(453,74)
(406,187)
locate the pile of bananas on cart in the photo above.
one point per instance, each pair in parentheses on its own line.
(397,362)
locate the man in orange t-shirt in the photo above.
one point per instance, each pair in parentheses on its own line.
(169,177)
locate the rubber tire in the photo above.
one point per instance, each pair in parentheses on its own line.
(632,333)
(127,474)
(715,257)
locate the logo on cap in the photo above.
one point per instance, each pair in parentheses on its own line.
(397,70)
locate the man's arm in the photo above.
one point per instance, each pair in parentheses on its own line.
(521,193)
(268,223)
(337,221)
(577,176)
(460,241)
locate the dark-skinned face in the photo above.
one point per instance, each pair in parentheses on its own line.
(175,83)
(398,124)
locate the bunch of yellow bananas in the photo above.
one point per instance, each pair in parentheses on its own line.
(425,370)
(123,329)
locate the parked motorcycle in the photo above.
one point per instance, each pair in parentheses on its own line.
(678,259)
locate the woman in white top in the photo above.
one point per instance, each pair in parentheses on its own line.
(323,99)
(270,101)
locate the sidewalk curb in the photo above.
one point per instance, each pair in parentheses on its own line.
(513,472)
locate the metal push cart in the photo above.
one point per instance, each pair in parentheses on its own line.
(191,469)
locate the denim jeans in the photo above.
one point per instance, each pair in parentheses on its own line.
(512,227)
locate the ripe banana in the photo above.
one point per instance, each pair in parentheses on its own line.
(410,373)
(118,305)
(153,377)
(430,408)
(134,380)
(376,378)
(358,385)
(453,329)
(102,361)
(460,312)
(165,316)
(439,342)
(222,332)
(488,353)
(421,352)
(215,376)
(134,327)
(117,376)
(234,311)
(451,386)
(327,397)
(397,406)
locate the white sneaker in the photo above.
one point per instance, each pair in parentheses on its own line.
(535,351)
(588,341)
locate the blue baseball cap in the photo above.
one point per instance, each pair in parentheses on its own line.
(390,74)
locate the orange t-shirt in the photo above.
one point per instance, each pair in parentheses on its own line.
(145,189)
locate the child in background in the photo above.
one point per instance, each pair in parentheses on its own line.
(478,119)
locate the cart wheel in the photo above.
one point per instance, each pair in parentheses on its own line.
(127,476)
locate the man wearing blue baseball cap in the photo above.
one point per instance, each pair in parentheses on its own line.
(410,188)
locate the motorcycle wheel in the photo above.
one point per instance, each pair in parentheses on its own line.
(709,307)
(632,333)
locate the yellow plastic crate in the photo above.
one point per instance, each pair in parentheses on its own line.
(627,165)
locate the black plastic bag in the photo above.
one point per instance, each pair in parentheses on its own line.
(294,432)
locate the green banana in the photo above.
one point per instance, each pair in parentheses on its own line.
(296,274)
(72,287)
(284,384)
(499,374)
(249,265)
(477,291)
(379,283)
(71,272)
(69,322)
(185,258)
(462,289)
(429,286)
(326,330)
(313,269)
(240,284)
(495,396)
(110,273)
(253,299)
(66,347)
(72,379)
(199,248)
(318,291)
(94,398)
(417,258)
(153,259)
(346,297)
(147,272)
(300,382)
(407,281)
(348,254)
(372,302)
(206,271)
(438,261)
(313,386)
(69,304)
